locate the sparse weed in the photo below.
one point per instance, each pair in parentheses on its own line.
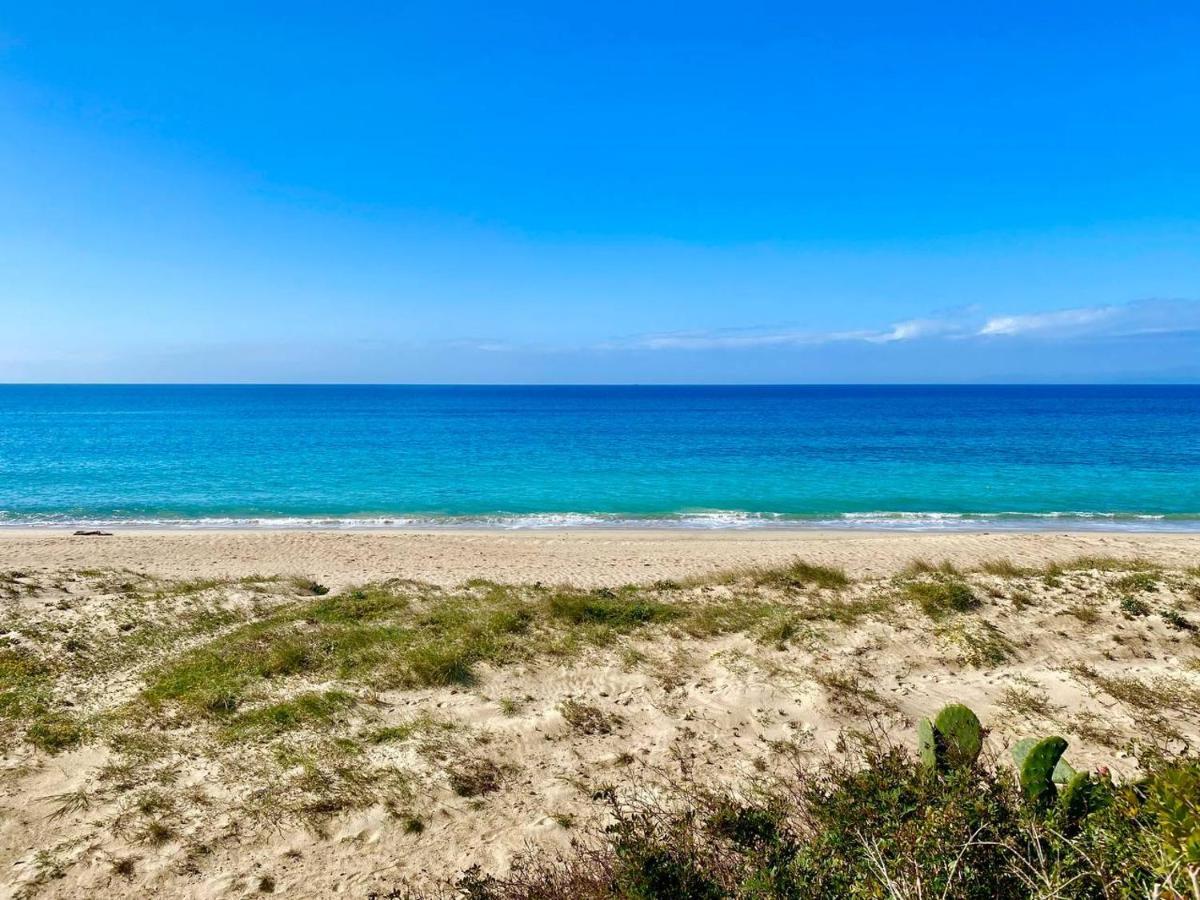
(1133,607)
(475,777)
(1177,620)
(586,718)
(1136,582)
(1085,613)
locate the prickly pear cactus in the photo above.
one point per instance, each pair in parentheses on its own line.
(1063,772)
(927,745)
(1037,769)
(1076,798)
(960,736)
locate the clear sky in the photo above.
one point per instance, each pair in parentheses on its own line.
(601,192)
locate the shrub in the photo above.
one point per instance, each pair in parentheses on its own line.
(879,825)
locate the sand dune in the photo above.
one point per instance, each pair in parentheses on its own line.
(288,757)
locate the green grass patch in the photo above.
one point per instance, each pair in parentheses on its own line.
(307,709)
(1006,568)
(55,732)
(918,567)
(941,597)
(800,574)
(621,610)
(1136,582)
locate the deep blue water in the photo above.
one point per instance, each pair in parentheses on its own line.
(998,456)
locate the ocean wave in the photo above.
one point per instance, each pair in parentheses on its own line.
(881,520)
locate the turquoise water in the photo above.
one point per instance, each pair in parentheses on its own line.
(902,457)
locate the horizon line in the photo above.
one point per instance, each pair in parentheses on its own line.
(598,384)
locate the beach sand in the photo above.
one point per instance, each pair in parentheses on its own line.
(581,557)
(160,800)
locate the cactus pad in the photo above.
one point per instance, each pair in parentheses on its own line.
(927,744)
(1076,799)
(959,734)
(1063,772)
(1037,769)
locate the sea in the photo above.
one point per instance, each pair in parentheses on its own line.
(519,457)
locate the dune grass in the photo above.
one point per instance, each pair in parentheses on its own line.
(941,596)
(408,635)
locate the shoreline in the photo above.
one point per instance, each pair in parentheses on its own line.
(700,520)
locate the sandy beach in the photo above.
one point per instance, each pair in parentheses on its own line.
(221,714)
(581,557)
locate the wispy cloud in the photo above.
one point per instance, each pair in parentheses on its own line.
(1063,320)
(748,338)
(1152,316)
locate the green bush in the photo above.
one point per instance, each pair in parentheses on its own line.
(882,826)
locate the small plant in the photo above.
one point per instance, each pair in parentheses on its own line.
(476,777)
(587,719)
(1021,600)
(800,574)
(413,824)
(306,587)
(1137,582)
(124,866)
(1177,620)
(510,706)
(919,566)
(70,803)
(1005,568)
(1026,702)
(1134,607)
(1085,613)
(156,833)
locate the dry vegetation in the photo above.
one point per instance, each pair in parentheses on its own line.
(264,735)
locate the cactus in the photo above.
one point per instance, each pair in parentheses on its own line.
(1063,772)
(960,735)
(1077,799)
(927,745)
(953,740)
(1037,769)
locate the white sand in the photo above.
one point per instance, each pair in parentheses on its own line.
(583,557)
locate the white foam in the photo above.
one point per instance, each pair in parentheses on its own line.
(690,519)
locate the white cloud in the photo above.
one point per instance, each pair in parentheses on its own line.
(1057,321)
(734,339)
(1141,317)
(916,328)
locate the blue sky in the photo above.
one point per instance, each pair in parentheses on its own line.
(471,192)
